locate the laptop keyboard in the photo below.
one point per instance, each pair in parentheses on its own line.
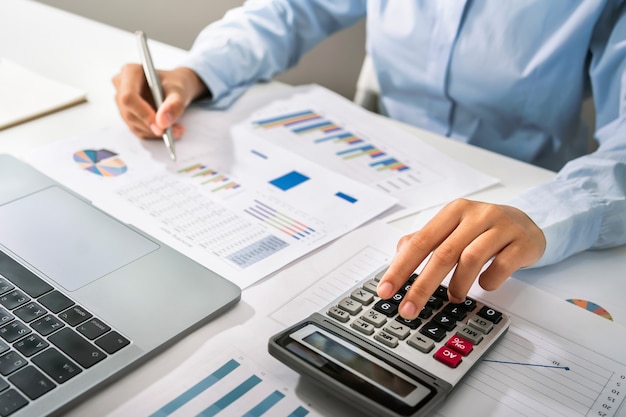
(46,338)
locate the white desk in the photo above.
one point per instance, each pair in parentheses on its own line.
(87,54)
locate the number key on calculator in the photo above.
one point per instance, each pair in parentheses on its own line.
(359,348)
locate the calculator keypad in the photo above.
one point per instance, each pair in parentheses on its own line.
(446,331)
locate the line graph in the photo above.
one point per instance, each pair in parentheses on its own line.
(566,368)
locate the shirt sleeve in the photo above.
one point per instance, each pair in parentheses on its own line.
(263,38)
(584,206)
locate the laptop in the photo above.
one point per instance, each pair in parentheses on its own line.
(83,296)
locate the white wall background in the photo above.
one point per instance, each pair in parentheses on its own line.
(334,64)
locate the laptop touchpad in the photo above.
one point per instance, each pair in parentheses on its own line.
(67,239)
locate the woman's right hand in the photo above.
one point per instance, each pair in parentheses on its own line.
(134,100)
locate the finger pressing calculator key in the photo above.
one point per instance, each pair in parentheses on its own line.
(360,349)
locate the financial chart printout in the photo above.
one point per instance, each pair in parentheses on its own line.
(324,127)
(242,206)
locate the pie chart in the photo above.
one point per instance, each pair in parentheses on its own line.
(100,162)
(590,306)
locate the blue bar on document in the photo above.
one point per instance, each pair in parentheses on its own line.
(299,412)
(283,117)
(346,197)
(265,405)
(196,390)
(231,397)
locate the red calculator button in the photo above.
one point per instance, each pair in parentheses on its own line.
(464,347)
(448,357)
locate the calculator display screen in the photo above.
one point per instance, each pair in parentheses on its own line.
(365,367)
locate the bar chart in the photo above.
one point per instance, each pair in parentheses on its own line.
(223,386)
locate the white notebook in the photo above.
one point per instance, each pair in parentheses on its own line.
(25,95)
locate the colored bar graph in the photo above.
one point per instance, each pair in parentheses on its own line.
(306,122)
(228,186)
(280,221)
(287,119)
(209,176)
(324,126)
(367,150)
(197,389)
(191,168)
(391,163)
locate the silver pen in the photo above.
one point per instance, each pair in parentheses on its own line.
(155,86)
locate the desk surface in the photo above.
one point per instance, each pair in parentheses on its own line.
(87,54)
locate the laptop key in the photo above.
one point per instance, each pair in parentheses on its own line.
(32,382)
(56,366)
(77,347)
(112,342)
(10,402)
(93,328)
(14,299)
(30,345)
(47,324)
(5,285)
(14,330)
(55,301)
(30,312)
(10,362)
(75,315)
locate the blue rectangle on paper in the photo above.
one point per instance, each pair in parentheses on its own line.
(346,197)
(265,405)
(196,390)
(289,181)
(231,397)
(299,412)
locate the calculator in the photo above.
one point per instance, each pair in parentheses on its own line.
(361,350)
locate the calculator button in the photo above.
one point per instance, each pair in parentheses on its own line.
(374,317)
(350,305)
(470,334)
(456,310)
(448,356)
(425,313)
(397,298)
(433,330)
(490,314)
(405,288)
(457,343)
(386,339)
(420,343)
(339,314)
(434,302)
(441,292)
(469,304)
(371,285)
(363,327)
(401,331)
(413,324)
(362,296)
(387,308)
(481,324)
(445,320)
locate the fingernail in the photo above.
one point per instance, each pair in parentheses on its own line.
(155,129)
(408,310)
(385,290)
(453,299)
(168,118)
